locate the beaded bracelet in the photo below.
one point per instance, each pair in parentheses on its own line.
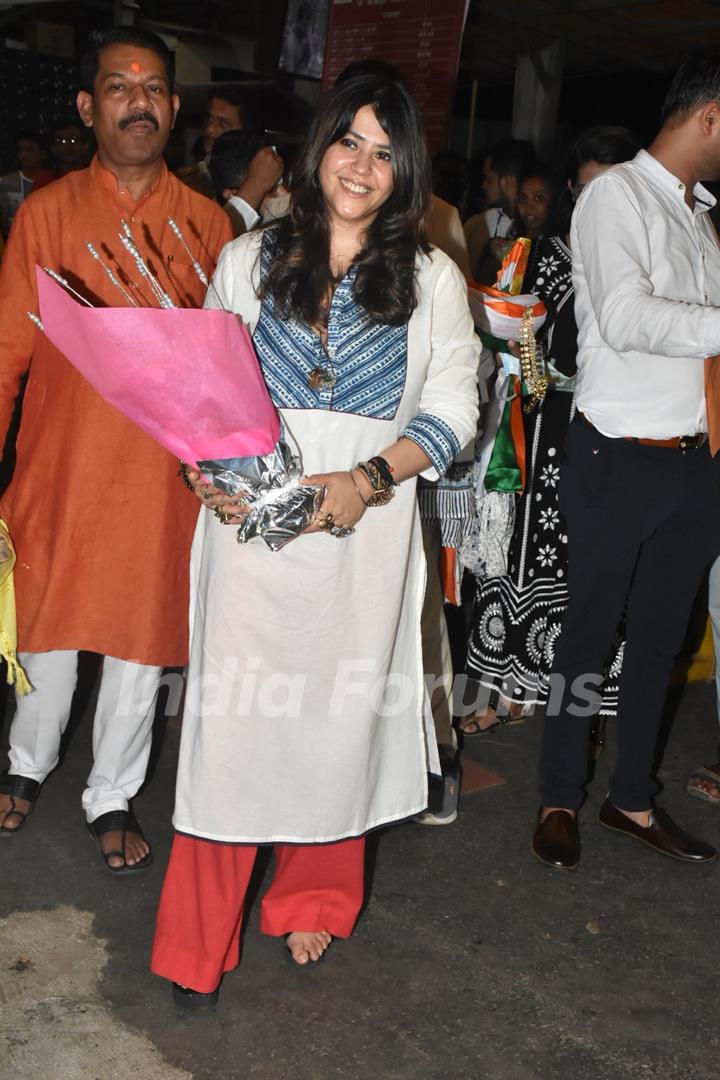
(183,473)
(382,493)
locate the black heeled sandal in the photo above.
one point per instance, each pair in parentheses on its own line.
(18,787)
(187,998)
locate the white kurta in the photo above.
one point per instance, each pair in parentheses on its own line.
(304,710)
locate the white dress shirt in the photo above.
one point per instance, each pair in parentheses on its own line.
(498,222)
(646,270)
(248,213)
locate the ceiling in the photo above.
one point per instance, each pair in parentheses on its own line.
(599,35)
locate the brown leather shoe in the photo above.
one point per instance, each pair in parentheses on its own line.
(662,834)
(556,841)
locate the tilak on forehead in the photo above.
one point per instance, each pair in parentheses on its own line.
(134,66)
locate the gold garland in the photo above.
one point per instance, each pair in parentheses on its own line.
(537,384)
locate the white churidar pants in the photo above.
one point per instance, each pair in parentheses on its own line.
(122,728)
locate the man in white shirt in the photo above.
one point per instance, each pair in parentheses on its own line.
(639,488)
(247,178)
(231,108)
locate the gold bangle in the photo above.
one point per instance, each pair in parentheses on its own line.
(359,492)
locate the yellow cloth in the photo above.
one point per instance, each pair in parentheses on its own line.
(8,627)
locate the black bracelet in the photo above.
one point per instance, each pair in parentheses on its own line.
(385,470)
(382,492)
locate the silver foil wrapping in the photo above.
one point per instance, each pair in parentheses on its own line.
(280,507)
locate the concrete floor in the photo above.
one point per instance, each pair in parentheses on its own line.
(471,960)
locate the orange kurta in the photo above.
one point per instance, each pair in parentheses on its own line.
(101,524)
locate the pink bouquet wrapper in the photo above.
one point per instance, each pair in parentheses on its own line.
(188,377)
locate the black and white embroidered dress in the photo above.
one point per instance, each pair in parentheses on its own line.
(517,617)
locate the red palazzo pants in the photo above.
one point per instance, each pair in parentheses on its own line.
(197,936)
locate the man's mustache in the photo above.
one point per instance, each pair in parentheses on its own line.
(137,118)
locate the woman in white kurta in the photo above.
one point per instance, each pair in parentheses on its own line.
(303,723)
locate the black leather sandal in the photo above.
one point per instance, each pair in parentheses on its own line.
(18,787)
(123,821)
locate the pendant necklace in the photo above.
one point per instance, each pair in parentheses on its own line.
(323,378)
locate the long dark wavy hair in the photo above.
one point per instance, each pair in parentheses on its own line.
(299,278)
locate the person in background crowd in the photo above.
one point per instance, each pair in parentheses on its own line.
(446,232)
(451,178)
(704,782)
(594,151)
(507,631)
(487,233)
(516,618)
(476,198)
(639,488)
(367,340)
(70,146)
(230,109)
(247,176)
(82,581)
(32,173)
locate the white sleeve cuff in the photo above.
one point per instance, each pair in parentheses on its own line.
(250,216)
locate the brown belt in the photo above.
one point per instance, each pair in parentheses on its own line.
(678,442)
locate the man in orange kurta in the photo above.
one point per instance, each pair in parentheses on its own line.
(101,524)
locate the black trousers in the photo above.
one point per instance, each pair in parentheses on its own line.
(643,523)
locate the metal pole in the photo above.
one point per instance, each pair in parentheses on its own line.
(471,121)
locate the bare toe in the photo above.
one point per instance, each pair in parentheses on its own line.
(306,946)
(11,816)
(136,848)
(112,841)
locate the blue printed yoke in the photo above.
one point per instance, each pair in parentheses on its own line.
(368,362)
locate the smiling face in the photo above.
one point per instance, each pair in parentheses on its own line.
(533,205)
(131,109)
(356,174)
